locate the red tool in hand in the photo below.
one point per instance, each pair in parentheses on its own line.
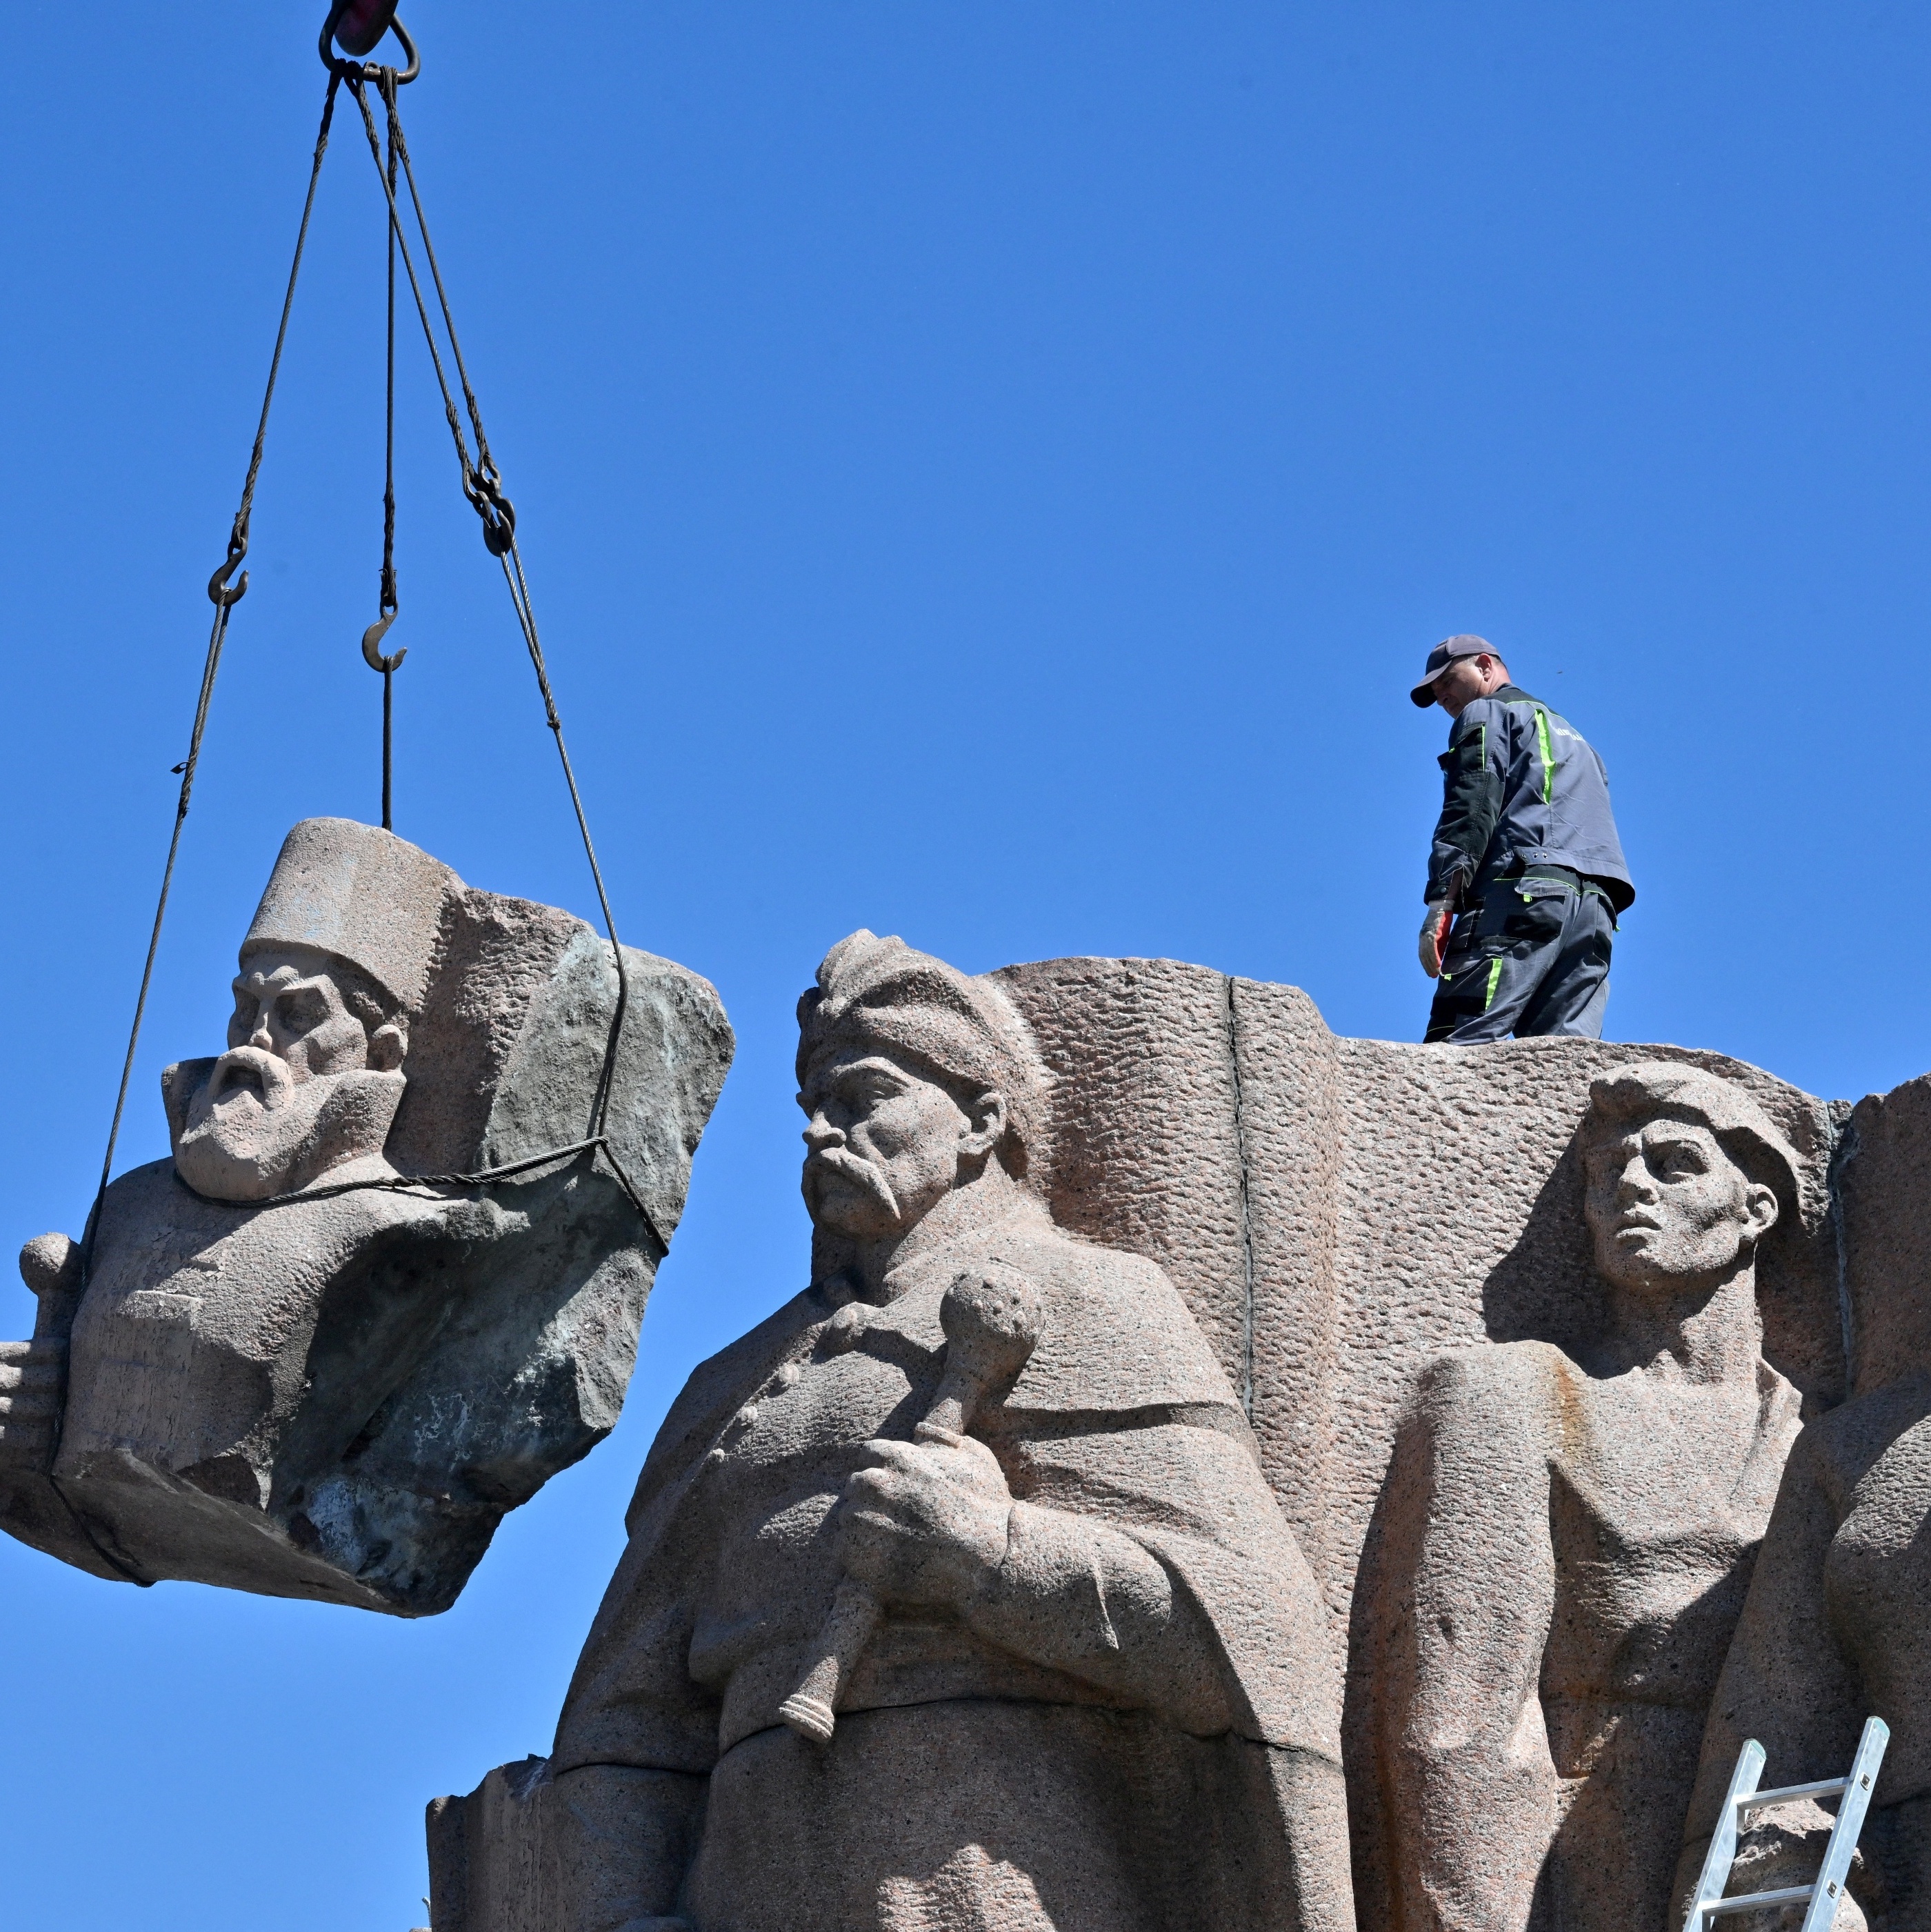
(1434,929)
(991,1320)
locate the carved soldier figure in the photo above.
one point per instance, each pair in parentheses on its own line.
(1571,1540)
(245,1372)
(1101,1697)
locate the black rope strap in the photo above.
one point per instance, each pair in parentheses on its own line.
(406,1184)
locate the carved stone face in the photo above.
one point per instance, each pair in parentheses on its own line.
(306,1084)
(1668,1207)
(884,1141)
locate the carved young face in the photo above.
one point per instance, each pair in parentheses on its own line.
(886,1143)
(1668,1207)
(305,1084)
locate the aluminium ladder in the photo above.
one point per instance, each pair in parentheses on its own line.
(1820,1897)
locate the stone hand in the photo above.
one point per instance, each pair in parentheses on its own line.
(927,1522)
(30,1389)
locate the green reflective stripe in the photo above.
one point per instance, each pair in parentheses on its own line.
(1548,757)
(1494,980)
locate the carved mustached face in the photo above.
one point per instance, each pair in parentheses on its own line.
(886,1142)
(1668,1207)
(305,1085)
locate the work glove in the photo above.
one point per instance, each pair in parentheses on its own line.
(1439,916)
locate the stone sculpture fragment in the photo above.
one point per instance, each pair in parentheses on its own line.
(1834,1630)
(285,1368)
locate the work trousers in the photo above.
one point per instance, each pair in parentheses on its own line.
(1531,955)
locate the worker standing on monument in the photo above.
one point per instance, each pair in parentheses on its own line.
(1526,877)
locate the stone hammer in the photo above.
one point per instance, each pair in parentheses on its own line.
(992,1318)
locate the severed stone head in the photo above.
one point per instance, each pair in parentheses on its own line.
(333,969)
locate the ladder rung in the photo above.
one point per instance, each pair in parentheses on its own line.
(1823,1788)
(1759,1901)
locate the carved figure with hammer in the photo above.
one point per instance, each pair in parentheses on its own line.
(955,1598)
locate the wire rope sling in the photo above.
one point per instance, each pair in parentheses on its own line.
(357,28)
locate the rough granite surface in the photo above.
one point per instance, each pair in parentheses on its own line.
(1531,1536)
(1337,1212)
(906,1638)
(338,1395)
(1834,1628)
(1341,1215)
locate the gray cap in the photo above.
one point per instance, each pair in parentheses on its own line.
(1444,655)
(364,896)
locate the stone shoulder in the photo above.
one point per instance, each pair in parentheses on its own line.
(1118,1335)
(714,1389)
(1521,1385)
(1847,1442)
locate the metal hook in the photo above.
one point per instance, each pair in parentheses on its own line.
(360,36)
(372,636)
(220,593)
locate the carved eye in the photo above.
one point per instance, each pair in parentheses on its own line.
(1680,1163)
(301,1012)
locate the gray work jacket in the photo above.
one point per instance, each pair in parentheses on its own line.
(1523,787)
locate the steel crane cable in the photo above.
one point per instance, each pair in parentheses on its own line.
(225,596)
(387,603)
(482,486)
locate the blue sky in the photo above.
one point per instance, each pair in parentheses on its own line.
(988,473)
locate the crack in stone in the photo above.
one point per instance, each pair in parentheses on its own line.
(1246,1212)
(1844,1150)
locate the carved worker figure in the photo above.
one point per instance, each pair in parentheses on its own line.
(1101,1696)
(267,1322)
(1571,1539)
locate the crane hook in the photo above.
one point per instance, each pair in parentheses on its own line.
(221,593)
(357,25)
(372,636)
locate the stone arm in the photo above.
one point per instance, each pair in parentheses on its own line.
(32,1373)
(33,1391)
(936,1523)
(1787,1683)
(1078,1596)
(1464,1752)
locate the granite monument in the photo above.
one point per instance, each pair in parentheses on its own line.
(954,1595)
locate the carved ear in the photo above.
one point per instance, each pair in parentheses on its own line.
(388,1046)
(988,1115)
(1761,1205)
